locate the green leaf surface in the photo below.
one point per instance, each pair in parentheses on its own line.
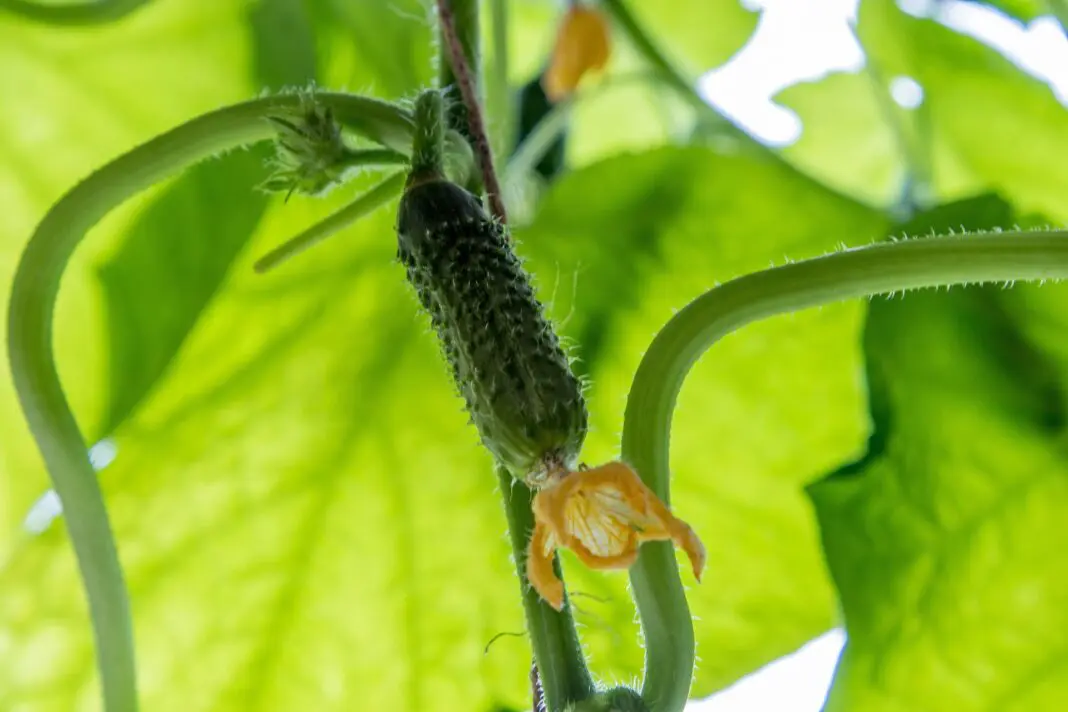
(1003,125)
(169,263)
(935,537)
(285,43)
(984,124)
(698,35)
(846,141)
(621,245)
(944,541)
(108,82)
(167,267)
(383,48)
(73,99)
(293,533)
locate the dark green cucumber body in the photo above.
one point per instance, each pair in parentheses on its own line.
(507,361)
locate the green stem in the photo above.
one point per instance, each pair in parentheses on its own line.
(877,269)
(459,21)
(557,650)
(498,93)
(362,206)
(466,21)
(87,12)
(33,367)
(428,142)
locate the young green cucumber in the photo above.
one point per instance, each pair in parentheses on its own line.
(507,361)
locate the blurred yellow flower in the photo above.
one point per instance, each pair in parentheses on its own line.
(603,515)
(582,45)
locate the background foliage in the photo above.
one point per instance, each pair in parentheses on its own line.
(305,518)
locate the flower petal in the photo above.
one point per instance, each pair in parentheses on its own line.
(540,570)
(681,533)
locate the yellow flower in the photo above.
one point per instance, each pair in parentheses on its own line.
(582,45)
(603,515)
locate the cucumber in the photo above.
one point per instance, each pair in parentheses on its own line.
(506,359)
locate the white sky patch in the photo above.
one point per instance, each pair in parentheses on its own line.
(906,91)
(795,683)
(804,41)
(794,41)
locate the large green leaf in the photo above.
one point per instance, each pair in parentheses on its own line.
(846,141)
(930,537)
(1005,126)
(171,260)
(699,35)
(944,541)
(297,530)
(983,124)
(386,48)
(74,99)
(146,275)
(622,245)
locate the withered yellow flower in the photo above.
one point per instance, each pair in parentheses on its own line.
(602,514)
(582,45)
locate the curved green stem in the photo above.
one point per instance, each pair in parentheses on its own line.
(87,12)
(33,367)
(557,651)
(877,269)
(364,205)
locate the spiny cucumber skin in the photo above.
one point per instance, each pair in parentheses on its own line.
(506,359)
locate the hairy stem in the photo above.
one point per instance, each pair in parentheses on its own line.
(33,367)
(463,68)
(561,667)
(877,269)
(464,19)
(428,143)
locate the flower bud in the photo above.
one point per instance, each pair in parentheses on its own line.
(582,45)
